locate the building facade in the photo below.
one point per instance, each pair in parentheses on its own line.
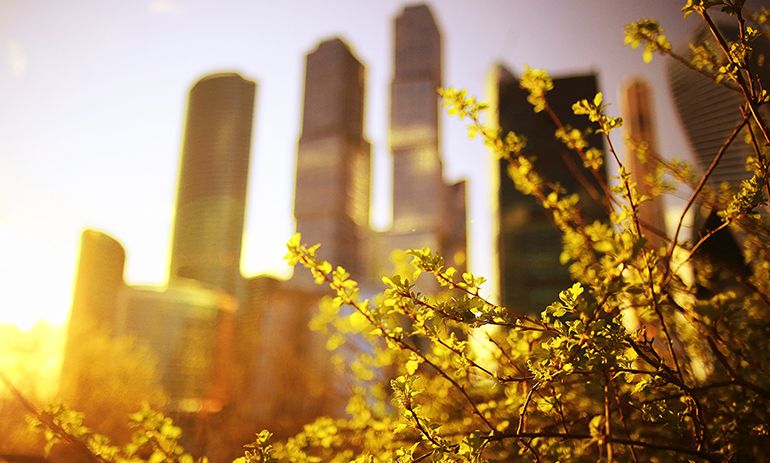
(426,210)
(331,205)
(189,329)
(289,378)
(709,112)
(639,122)
(213,175)
(98,283)
(528,244)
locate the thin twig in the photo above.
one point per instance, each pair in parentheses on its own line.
(623,420)
(607,419)
(695,193)
(523,414)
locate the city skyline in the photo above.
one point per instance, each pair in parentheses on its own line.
(26,215)
(191,324)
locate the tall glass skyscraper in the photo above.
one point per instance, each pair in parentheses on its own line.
(426,211)
(210,204)
(529,245)
(710,112)
(333,158)
(418,186)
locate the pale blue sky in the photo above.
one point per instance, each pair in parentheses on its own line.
(92,101)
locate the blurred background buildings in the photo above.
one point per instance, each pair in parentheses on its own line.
(239,349)
(92,108)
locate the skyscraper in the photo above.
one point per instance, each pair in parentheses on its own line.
(425,209)
(98,283)
(418,187)
(333,159)
(529,245)
(284,376)
(638,119)
(211,198)
(710,112)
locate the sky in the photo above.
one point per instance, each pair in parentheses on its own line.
(93,96)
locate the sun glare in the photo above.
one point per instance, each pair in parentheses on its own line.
(35,280)
(32,359)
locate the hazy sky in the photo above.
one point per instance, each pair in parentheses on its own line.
(93,93)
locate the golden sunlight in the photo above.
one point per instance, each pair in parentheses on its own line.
(35,280)
(32,359)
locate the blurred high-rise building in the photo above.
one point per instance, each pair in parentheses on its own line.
(425,209)
(99,279)
(98,283)
(418,187)
(709,112)
(639,122)
(333,158)
(285,377)
(528,244)
(211,198)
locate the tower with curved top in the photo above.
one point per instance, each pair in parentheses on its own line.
(211,198)
(98,283)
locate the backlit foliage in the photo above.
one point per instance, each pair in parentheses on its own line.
(632,363)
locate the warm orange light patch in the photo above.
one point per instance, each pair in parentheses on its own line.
(32,359)
(35,296)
